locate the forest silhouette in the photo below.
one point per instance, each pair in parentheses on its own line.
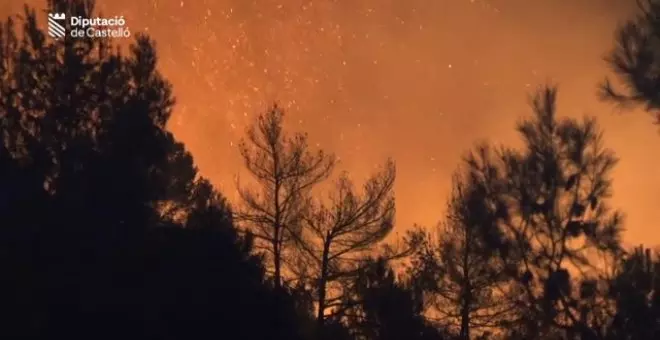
(108,231)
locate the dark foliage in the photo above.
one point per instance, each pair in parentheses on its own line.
(390,310)
(635,60)
(106,230)
(636,293)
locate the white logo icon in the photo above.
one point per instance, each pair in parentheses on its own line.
(56,25)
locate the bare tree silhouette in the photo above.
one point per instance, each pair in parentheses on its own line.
(339,236)
(285,171)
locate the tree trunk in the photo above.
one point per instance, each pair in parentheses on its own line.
(323,281)
(467,290)
(465,320)
(277,260)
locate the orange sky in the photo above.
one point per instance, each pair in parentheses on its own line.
(416,80)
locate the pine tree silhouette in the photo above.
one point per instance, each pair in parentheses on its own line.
(635,59)
(461,271)
(552,194)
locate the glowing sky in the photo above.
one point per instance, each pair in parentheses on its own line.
(417,80)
